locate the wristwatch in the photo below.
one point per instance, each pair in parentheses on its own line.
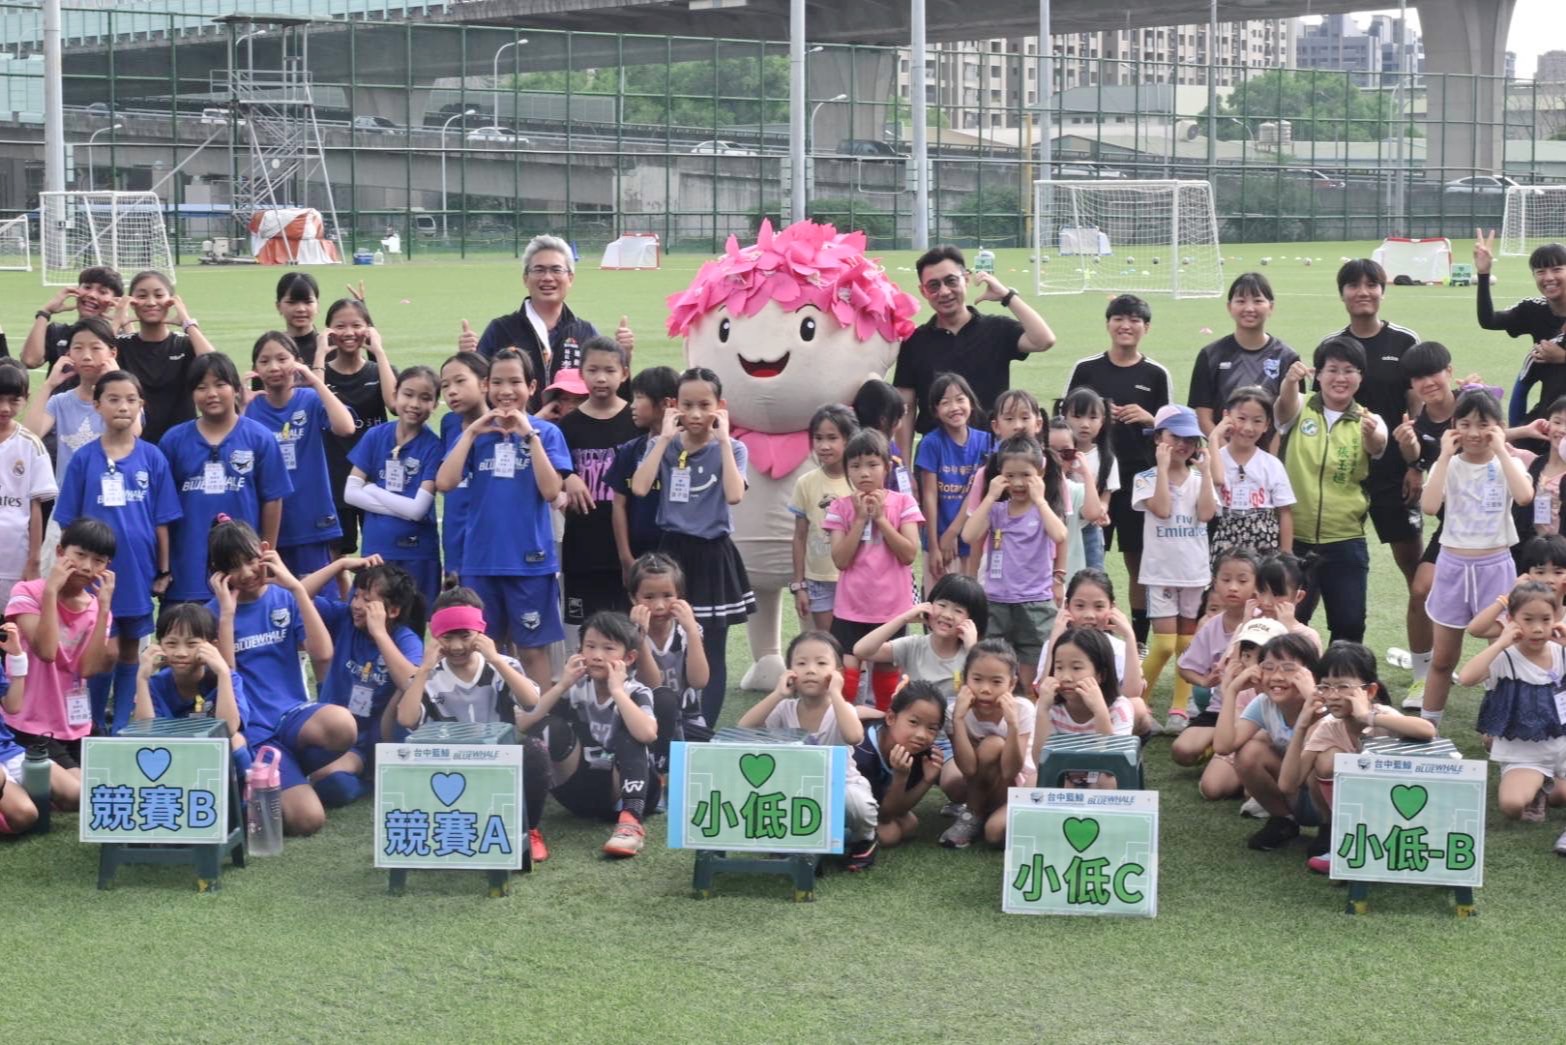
(1006,298)
(43,314)
(796,586)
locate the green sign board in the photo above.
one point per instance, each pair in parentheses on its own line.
(155,790)
(1418,821)
(771,798)
(449,805)
(1081,851)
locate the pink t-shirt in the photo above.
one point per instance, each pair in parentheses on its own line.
(875,587)
(1121,717)
(56,700)
(1242,700)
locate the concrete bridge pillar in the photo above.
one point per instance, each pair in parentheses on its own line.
(868,77)
(1465,61)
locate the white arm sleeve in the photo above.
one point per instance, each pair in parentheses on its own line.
(372,498)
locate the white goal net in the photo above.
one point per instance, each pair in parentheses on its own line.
(1150,237)
(1535,215)
(16,253)
(123,230)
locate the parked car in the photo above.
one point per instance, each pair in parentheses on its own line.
(1318,179)
(1479,185)
(375,125)
(496,136)
(425,227)
(720,148)
(869,147)
(216,117)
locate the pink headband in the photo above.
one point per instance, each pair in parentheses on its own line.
(456,618)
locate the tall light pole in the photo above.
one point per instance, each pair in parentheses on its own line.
(796,109)
(443,128)
(495,78)
(812,139)
(921,144)
(91,138)
(54,102)
(250,51)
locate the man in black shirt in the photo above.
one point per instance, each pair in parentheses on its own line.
(959,339)
(544,327)
(1133,387)
(1542,320)
(1392,486)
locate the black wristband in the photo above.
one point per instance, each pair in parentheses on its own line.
(43,314)
(1005,300)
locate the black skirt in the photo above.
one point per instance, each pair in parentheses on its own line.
(716,584)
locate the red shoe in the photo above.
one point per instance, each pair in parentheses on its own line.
(535,843)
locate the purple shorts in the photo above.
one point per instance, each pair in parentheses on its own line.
(1464,585)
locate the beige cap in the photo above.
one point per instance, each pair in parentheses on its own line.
(1259,630)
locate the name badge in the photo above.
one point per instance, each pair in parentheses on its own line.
(112,490)
(213,478)
(1560,705)
(290,455)
(679,490)
(396,476)
(78,706)
(1494,497)
(995,563)
(904,484)
(505,461)
(361,700)
(1542,509)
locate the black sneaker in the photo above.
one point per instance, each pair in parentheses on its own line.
(862,859)
(1321,844)
(1278,831)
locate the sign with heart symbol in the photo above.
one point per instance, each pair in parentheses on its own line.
(762,797)
(1408,813)
(165,783)
(448,787)
(153,762)
(449,806)
(1081,852)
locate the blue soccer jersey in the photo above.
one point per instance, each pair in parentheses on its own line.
(400,470)
(309,513)
(509,533)
(234,478)
(953,466)
(454,503)
(134,495)
(358,679)
(168,702)
(268,633)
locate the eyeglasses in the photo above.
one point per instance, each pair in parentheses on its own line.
(1339,689)
(547,270)
(951,282)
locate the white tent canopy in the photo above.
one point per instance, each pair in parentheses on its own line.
(1421,260)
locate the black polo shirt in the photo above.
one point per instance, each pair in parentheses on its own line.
(566,339)
(982,351)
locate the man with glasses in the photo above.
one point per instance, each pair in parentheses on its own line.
(544,327)
(959,339)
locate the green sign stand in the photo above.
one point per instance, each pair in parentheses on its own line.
(756,796)
(1408,820)
(164,791)
(450,797)
(1081,851)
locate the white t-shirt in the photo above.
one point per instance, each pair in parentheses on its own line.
(786,716)
(25,476)
(1174,550)
(978,729)
(1121,717)
(1090,465)
(915,657)
(1478,506)
(1260,483)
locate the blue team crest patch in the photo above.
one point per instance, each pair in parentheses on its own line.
(281,617)
(242,461)
(531,620)
(410,465)
(1270,369)
(298,418)
(143,480)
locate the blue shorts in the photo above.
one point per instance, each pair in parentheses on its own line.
(285,739)
(304,559)
(524,609)
(131,627)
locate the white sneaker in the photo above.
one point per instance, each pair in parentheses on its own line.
(1252,808)
(963,830)
(1415,701)
(1175,724)
(1400,658)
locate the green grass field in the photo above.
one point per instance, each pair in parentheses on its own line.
(1246,947)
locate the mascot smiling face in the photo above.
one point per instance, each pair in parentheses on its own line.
(798,320)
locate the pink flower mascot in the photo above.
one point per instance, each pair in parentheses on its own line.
(798,320)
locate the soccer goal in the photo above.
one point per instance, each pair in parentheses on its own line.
(1535,214)
(123,230)
(1149,237)
(16,253)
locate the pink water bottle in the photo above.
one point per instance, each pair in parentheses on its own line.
(264,804)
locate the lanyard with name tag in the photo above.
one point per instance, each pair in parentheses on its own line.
(679,491)
(112,490)
(995,556)
(505,460)
(213,478)
(395,474)
(78,706)
(361,700)
(290,451)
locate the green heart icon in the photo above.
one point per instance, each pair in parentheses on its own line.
(758,769)
(1409,799)
(1080,832)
